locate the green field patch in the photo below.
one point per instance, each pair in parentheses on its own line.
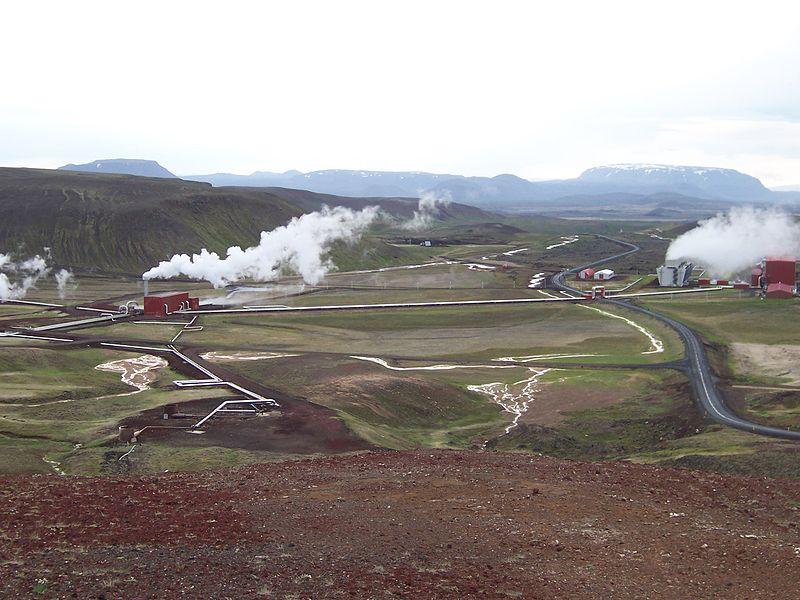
(726,318)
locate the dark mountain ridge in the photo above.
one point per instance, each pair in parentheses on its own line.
(125,223)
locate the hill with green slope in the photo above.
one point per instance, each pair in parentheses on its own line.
(125,224)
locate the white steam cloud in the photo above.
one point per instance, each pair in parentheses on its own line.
(733,242)
(429,206)
(17,277)
(300,247)
(65,282)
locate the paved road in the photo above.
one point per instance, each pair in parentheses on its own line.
(696,364)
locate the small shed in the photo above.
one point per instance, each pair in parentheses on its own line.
(586,274)
(779,291)
(604,275)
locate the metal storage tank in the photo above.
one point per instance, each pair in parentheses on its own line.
(604,274)
(755,277)
(674,273)
(125,434)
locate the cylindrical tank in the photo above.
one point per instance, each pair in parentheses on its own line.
(125,433)
(755,277)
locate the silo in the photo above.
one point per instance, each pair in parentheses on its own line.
(125,434)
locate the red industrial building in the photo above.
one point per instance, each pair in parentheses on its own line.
(777,276)
(162,304)
(780,269)
(586,274)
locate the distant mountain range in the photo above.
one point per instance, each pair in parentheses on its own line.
(510,192)
(606,184)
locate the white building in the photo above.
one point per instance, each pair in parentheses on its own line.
(604,274)
(674,273)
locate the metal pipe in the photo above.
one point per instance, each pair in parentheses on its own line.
(220,408)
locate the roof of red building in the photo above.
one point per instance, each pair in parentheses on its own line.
(779,287)
(166,294)
(781,259)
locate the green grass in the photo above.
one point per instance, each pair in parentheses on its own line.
(404,409)
(26,455)
(39,374)
(52,399)
(474,333)
(155,457)
(653,409)
(724,317)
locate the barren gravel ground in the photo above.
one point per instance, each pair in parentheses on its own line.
(778,360)
(422,524)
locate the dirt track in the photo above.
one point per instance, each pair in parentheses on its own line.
(413,524)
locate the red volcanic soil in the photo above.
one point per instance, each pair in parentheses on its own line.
(423,524)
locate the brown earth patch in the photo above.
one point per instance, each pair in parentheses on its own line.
(425,524)
(292,430)
(554,402)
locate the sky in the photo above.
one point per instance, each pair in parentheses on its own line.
(539,89)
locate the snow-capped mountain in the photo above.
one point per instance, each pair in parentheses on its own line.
(506,191)
(702,182)
(607,185)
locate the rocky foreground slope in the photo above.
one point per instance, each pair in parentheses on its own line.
(413,524)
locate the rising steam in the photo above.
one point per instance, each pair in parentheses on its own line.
(65,282)
(17,277)
(301,247)
(733,242)
(429,207)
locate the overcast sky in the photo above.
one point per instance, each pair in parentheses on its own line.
(539,89)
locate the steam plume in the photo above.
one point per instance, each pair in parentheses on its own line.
(300,246)
(732,242)
(429,206)
(25,275)
(65,282)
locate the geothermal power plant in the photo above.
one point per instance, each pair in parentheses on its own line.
(774,277)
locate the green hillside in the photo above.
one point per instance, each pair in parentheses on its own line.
(125,224)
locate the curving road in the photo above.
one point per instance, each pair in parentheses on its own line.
(695,365)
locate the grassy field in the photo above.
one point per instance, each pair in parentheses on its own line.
(52,400)
(394,409)
(577,412)
(733,316)
(480,332)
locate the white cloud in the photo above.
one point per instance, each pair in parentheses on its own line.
(479,88)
